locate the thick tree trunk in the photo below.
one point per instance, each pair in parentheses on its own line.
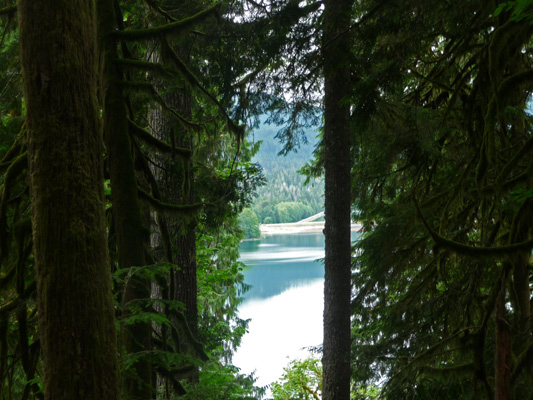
(131,235)
(337,286)
(76,317)
(182,232)
(176,186)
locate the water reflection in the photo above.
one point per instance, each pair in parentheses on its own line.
(280,262)
(285,304)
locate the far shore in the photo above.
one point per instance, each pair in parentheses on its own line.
(297,227)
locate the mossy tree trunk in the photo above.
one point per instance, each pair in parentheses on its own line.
(131,235)
(176,183)
(337,285)
(76,317)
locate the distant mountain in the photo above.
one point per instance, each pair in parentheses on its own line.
(271,147)
(285,198)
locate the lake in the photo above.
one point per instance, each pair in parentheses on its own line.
(285,303)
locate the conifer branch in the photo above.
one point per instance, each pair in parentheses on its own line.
(149,89)
(522,152)
(430,350)
(515,80)
(18,146)
(146,66)
(152,4)
(18,165)
(525,360)
(462,369)
(9,10)
(9,306)
(177,386)
(238,130)
(178,27)
(199,348)
(149,139)
(187,211)
(156,193)
(473,251)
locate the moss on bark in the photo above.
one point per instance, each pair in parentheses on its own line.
(76,315)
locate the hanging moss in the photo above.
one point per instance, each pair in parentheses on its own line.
(176,28)
(188,211)
(146,137)
(58,54)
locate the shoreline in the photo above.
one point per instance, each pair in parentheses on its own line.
(297,227)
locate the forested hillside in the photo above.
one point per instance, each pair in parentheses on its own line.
(125,164)
(288,195)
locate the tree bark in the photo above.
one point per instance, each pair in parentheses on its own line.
(337,286)
(76,316)
(176,183)
(127,212)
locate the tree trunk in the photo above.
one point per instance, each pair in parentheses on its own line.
(175,181)
(337,286)
(76,316)
(131,235)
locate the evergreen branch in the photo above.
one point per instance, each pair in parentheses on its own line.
(462,369)
(18,165)
(251,75)
(177,386)
(152,4)
(473,251)
(149,89)
(358,23)
(428,352)
(261,7)
(193,81)
(149,139)
(146,66)
(523,151)
(187,211)
(515,80)
(9,306)
(498,43)
(525,360)
(6,278)
(173,27)
(9,10)
(201,354)
(14,150)
(163,228)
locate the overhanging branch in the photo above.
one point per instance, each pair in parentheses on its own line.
(473,251)
(9,10)
(177,27)
(146,137)
(186,211)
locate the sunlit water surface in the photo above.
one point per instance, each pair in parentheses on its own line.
(285,303)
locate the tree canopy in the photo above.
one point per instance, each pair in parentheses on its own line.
(427,114)
(441,174)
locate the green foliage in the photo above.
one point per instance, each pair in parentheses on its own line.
(223,382)
(220,289)
(292,211)
(249,224)
(287,195)
(301,379)
(269,220)
(424,162)
(521,9)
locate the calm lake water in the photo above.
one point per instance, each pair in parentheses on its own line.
(285,303)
